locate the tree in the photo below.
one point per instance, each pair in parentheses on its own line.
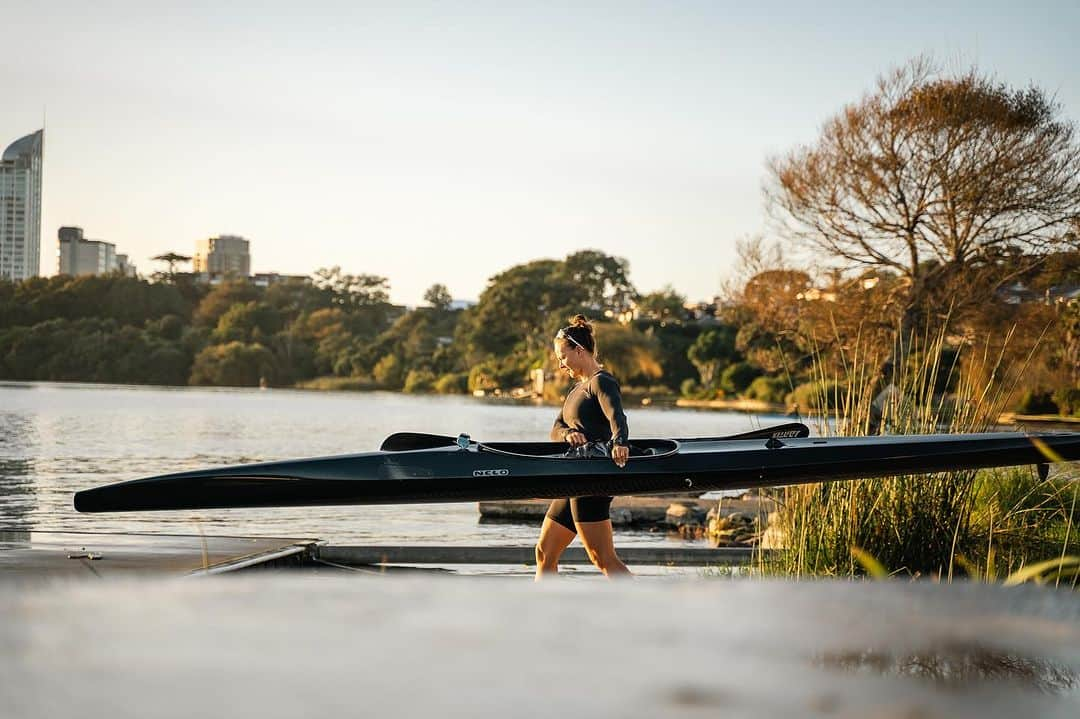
(518,307)
(221,299)
(712,349)
(438,297)
(171,259)
(235,364)
(629,354)
(248,322)
(954,181)
(353,290)
(602,282)
(665,304)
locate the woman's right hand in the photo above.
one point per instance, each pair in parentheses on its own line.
(576,439)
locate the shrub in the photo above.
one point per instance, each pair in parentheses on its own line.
(1068,401)
(737,377)
(767,389)
(233,365)
(816,396)
(388,372)
(984,523)
(452,383)
(419,381)
(689,388)
(484,376)
(1036,402)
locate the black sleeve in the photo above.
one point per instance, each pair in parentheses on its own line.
(610,397)
(560,430)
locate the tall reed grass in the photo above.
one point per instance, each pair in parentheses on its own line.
(985,524)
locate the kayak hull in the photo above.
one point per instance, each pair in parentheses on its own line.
(498,471)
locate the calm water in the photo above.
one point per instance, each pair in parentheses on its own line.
(56,439)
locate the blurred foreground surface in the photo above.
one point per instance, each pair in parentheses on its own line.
(302,644)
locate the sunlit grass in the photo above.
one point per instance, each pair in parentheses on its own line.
(992,525)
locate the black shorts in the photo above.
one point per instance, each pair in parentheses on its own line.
(579,509)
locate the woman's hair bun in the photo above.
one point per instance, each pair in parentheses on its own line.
(581,321)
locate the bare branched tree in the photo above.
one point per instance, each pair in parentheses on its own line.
(956,182)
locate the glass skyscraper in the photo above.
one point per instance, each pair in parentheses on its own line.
(20,207)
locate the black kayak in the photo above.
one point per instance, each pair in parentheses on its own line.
(419,468)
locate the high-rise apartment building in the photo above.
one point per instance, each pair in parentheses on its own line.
(222,256)
(20,207)
(78,256)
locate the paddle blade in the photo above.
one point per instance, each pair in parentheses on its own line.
(404,441)
(791,430)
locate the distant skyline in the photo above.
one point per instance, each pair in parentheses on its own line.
(437,142)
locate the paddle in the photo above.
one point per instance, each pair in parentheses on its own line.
(405,441)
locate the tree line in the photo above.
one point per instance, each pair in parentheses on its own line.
(939,204)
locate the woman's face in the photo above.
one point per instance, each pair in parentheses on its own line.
(569,356)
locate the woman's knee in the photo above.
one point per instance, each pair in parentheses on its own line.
(601,559)
(546,556)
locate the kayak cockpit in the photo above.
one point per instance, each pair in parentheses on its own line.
(639,449)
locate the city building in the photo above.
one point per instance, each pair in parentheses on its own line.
(227,255)
(125,267)
(20,207)
(265,279)
(79,256)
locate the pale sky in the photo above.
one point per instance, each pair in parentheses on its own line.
(445,142)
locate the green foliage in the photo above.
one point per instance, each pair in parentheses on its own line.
(665,305)
(352,291)
(222,298)
(90,350)
(125,300)
(674,340)
(689,388)
(485,376)
(438,297)
(816,396)
(521,308)
(389,372)
(983,523)
(1067,400)
(517,310)
(1036,402)
(768,389)
(738,376)
(630,355)
(235,364)
(601,282)
(248,322)
(453,383)
(169,327)
(710,351)
(419,381)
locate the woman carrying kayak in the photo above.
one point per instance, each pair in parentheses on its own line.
(592,412)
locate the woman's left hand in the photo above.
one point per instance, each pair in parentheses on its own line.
(620,453)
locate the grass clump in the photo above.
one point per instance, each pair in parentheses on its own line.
(985,524)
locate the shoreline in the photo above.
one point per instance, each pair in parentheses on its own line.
(357,385)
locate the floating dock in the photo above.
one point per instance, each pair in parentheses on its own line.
(38,555)
(674,556)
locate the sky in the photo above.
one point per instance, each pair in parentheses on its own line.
(443,142)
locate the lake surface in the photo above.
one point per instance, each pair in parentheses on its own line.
(56,439)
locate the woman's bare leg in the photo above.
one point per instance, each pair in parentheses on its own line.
(554,538)
(600,546)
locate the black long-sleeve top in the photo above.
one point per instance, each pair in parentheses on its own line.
(594,408)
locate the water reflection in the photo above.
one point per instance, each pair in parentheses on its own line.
(958,666)
(18,496)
